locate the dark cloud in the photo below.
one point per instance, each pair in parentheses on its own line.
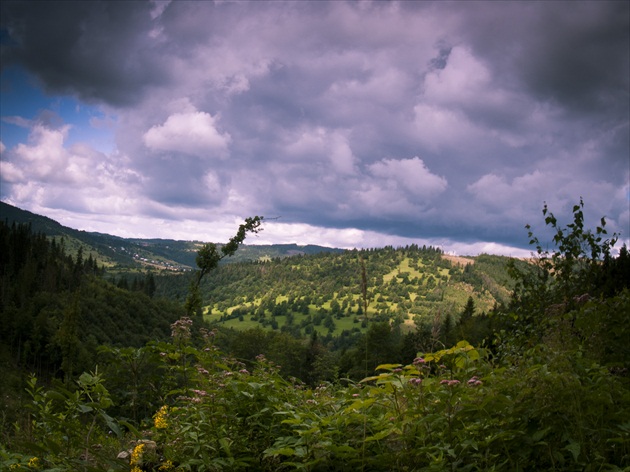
(99,51)
(451,120)
(575,54)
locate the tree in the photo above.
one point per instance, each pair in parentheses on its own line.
(550,292)
(209,256)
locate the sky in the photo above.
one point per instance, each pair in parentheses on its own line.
(345,124)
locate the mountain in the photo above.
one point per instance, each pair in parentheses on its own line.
(119,254)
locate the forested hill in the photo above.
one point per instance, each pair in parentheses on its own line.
(56,309)
(409,286)
(124,254)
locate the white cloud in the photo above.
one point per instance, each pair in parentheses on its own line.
(441,128)
(49,173)
(193,133)
(44,155)
(464,81)
(319,144)
(409,175)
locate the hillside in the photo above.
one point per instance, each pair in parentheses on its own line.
(118,254)
(411,286)
(296,289)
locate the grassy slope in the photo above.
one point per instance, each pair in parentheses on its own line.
(413,274)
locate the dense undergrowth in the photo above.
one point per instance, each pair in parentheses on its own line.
(548,390)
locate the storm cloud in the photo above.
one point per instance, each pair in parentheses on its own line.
(357,123)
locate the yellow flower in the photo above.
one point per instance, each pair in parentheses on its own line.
(136,456)
(33,463)
(159,419)
(168,465)
(135,468)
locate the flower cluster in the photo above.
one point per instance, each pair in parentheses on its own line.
(419,361)
(474,381)
(415,381)
(136,457)
(160,418)
(450,383)
(180,330)
(207,335)
(33,464)
(166,466)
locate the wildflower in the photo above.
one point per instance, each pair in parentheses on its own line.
(419,361)
(396,371)
(33,463)
(207,335)
(474,381)
(449,383)
(244,371)
(355,395)
(180,330)
(167,465)
(415,381)
(201,393)
(159,419)
(136,456)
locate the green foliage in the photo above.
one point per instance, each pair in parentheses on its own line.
(549,391)
(548,304)
(451,409)
(66,429)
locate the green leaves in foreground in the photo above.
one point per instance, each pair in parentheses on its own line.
(447,410)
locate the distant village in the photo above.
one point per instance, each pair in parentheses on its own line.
(163,265)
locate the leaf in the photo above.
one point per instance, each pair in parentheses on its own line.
(380,435)
(375,377)
(283,451)
(538,435)
(130,427)
(83,408)
(225,445)
(111,424)
(388,366)
(574,448)
(360,404)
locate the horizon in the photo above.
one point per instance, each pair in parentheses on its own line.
(248,242)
